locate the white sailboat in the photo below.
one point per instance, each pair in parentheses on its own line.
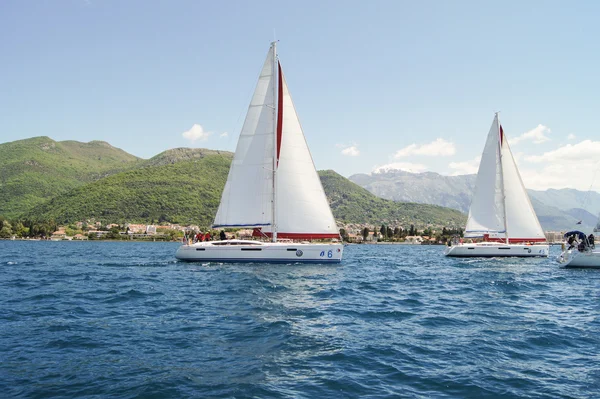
(272,186)
(501,214)
(580,251)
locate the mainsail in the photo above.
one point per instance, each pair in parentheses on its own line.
(500,207)
(285,196)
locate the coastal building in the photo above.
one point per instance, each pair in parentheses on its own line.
(554,236)
(414,239)
(58,235)
(136,228)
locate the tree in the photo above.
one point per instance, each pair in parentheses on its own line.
(344,234)
(6,230)
(383,230)
(365,233)
(411,232)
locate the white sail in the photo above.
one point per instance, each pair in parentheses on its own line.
(521,221)
(247,197)
(302,207)
(500,206)
(271,132)
(486,214)
(272,186)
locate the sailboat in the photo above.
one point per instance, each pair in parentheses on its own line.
(272,187)
(501,217)
(580,250)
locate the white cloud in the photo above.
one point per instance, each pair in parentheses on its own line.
(569,166)
(465,167)
(584,150)
(224,134)
(439,147)
(349,150)
(537,135)
(196,133)
(571,136)
(405,166)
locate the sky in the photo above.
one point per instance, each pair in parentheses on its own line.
(377,85)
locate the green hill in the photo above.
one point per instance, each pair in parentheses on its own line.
(189,192)
(37,169)
(70,181)
(183,192)
(351,203)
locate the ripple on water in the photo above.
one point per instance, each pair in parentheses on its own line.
(94,320)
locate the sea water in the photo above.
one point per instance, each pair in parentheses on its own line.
(126,320)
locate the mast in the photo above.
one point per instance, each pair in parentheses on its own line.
(500,140)
(275,144)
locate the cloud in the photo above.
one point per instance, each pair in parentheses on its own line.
(465,167)
(586,149)
(196,133)
(569,166)
(571,136)
(405,166)
(537,135)
(224,134)
(349,150)
(439,147)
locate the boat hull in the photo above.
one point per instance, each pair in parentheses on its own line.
(490,250)
(249,251)
(575,258)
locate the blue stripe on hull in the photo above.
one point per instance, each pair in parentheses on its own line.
(254,260)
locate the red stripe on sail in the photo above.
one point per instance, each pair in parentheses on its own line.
(501,135)
(296,236)
(279,112)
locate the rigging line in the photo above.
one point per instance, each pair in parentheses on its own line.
(587,195)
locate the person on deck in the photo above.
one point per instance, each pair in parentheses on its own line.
(207,236)
(571,242)
(222,235)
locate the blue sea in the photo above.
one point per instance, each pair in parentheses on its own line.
(126,320)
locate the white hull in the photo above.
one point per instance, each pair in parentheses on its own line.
(575,258)
(496,249)
(255,251)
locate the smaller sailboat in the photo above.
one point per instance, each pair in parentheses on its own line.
(579,250)
(272,187)
(501,219)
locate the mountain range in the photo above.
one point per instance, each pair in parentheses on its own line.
(69,181)
(556,209)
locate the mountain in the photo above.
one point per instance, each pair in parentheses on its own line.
(351,203)
(68,181)
(428,188)
(567,198)
(189,192)
(37,169)
(556,209)
(184,192)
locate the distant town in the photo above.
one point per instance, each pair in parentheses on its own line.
(96,230)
